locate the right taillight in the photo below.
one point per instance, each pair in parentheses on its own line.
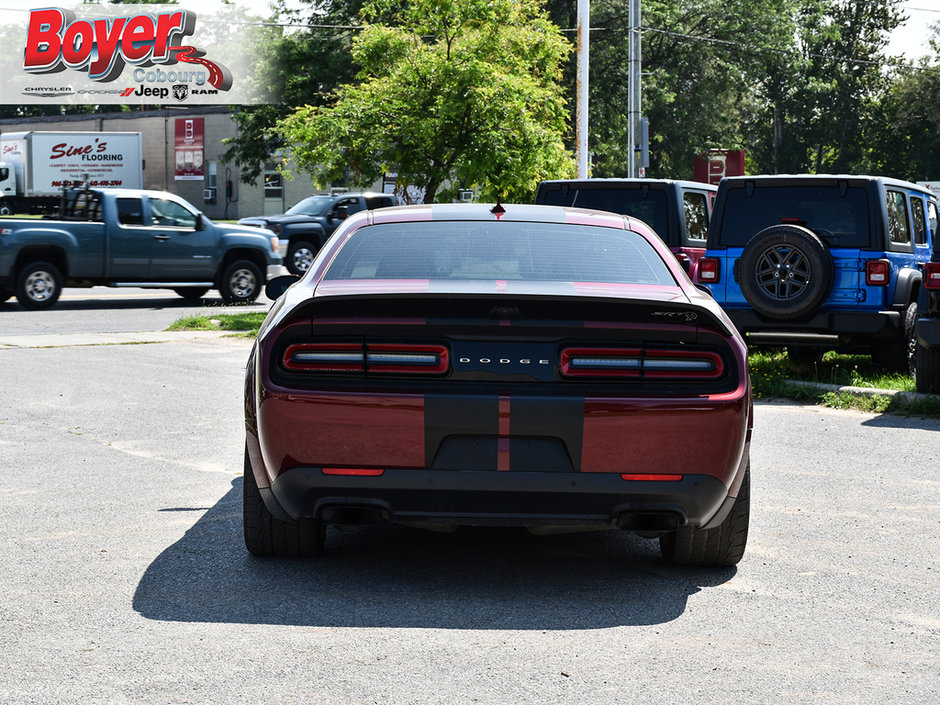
(877,272)
(647,363)
(932,276)
(709,270)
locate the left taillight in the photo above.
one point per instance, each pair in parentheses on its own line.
(371,358)
(649,363)
(932,276)
(877,272)
(325,357)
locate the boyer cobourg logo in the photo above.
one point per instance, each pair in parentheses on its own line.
(103,48)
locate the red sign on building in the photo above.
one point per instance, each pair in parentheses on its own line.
(719,163)
(190,149)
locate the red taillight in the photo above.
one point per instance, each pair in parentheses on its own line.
(877,272)
(325,357)
(601,362)
(709,269)
(932,276)
(373,358)
(637,362)
(426,359)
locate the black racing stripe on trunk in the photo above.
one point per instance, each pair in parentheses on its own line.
(461,432)
(547,434)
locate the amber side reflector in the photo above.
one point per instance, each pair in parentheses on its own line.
(649,477)
(359,472)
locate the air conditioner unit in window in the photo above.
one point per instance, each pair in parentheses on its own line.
(208,195)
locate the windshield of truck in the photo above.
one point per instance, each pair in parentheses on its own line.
(649,205)
(839,216)
(314,205)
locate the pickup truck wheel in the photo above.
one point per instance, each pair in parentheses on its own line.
(266,535)
(299,257)
(785,272)
(241,283)
(721,546)
(38,285)
(927,369)
(191,292)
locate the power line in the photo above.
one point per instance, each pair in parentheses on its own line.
(792,52)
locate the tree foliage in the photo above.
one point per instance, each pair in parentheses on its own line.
(451,95)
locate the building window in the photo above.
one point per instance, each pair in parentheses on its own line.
(273,186)
(212,168)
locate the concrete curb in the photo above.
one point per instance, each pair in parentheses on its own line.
(62,340)
(903,397)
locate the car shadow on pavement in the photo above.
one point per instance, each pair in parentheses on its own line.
(392,576)
(907,422)
(150,302)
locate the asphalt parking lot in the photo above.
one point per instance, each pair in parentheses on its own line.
(123,578)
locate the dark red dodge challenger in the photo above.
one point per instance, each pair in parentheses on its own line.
(515,365)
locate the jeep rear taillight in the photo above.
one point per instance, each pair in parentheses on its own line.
(932,276)
(877,272)
(709,270)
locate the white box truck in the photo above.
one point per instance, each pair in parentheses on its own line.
(36,166)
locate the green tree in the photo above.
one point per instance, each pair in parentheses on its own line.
(456,94)
(908,132)
(822,104)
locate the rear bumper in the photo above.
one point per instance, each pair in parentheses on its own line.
(928,332)
(876,325)
(488,498)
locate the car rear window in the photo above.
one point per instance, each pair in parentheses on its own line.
(841,220)
(649,205)
(511,251)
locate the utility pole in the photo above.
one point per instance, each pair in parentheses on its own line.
(634,107)
(584,32)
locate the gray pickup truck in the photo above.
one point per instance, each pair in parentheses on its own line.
(124,237)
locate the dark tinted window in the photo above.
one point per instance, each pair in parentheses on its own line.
(130,211)
(899,230)
(920,220)
(373,202)
(616,199)
(507,251)
(842,221)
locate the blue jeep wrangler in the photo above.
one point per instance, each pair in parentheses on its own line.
(818,262)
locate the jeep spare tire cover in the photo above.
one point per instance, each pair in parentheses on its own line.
(785,272)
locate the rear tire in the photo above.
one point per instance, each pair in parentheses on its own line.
(241,282)
(897,354)
(266,535)
(927,369)
(38,285)
(722,546)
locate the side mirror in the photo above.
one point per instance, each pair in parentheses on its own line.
(275,288)
(341,212)
(200,221)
